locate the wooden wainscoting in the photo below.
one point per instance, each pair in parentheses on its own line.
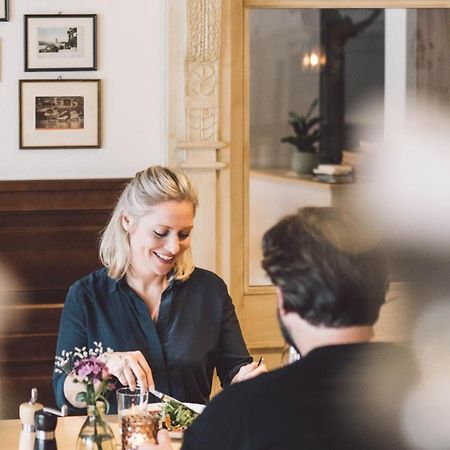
(48,238)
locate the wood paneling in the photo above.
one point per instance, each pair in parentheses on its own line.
(49,232)
(433,56)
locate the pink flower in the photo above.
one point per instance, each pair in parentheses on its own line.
(90,371)
(90,368)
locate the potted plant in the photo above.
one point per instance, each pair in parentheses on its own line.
(307,134)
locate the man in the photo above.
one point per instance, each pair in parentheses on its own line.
(344,392)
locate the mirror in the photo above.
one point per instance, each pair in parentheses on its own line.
(334,62)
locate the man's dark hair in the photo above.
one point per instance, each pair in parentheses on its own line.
(328,271)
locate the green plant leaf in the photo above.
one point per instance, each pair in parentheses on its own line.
(312,122)
(81,397)
(311,108)
(306,129)
(294,116)
(297,122)
(290,140)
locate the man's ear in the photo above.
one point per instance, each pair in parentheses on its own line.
(126,221)
(280,301)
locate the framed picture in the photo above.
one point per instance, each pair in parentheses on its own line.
(59,114)
(60,42)
(3,10)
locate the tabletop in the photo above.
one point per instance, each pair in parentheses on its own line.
(12,438)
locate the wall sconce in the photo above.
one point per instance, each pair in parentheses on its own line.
(314,59)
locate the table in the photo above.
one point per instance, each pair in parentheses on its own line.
(12,438)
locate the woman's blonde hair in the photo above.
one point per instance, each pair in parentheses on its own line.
(148,188)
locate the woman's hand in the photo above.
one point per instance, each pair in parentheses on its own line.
(164,442)
(131,369)
(249,371)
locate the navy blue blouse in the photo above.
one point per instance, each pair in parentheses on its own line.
(197,330)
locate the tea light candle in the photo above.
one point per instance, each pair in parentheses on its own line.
(138,429)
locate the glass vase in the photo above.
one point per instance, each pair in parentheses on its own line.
(96,434)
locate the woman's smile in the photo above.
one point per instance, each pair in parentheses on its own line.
(165,258)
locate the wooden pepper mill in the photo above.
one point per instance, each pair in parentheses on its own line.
(27,410)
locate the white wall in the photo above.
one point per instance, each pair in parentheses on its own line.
(132,64)
(395,71)
(283,193)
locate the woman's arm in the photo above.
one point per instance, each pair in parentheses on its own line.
(234,362)
(72,333)
(70,389)
(130,367)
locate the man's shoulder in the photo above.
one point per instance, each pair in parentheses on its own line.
(262,387)
(387,352)
(308,402)
(361,360)
(355,351)
(346,361)
(232,418)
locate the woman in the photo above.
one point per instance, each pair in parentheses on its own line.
(169,323)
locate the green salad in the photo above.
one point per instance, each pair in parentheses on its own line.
(176,417)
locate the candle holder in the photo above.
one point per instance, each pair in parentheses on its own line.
(138,429)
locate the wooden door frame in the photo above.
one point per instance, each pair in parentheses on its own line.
(257,305)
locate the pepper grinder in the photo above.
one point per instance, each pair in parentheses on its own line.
(26,440)
(45,421)
(45,425)
(27,410)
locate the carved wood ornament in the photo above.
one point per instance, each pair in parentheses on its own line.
(202,71)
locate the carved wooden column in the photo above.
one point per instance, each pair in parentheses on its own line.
(200,147)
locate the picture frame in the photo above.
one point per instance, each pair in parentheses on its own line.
(59,114)
(60,42)
(4,8)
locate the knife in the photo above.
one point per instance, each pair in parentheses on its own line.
(167,398)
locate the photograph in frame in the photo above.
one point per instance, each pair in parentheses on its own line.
(59,114)
(3,10)
(59,42)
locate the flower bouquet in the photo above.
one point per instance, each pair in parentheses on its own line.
(88,367)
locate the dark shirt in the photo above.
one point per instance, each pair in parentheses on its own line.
(196,331)
(337,397)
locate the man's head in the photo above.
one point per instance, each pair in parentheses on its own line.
(326,268)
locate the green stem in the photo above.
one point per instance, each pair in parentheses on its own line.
(98,438)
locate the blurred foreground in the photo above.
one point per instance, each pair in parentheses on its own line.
(404,195)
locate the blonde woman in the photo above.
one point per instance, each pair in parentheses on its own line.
(169,323)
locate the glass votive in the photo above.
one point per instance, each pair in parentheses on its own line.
(131,402)
(138,429)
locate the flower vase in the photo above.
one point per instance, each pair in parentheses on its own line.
(96,434)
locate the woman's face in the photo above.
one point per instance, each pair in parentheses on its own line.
(159,238)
